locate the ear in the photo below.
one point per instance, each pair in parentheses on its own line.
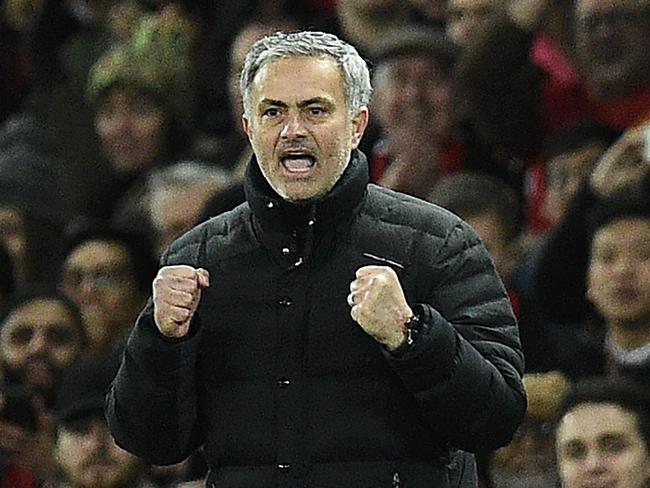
(246,125)
(359,124)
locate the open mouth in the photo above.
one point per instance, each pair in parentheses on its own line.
(298,163)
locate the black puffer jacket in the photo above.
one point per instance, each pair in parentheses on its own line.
(283,388)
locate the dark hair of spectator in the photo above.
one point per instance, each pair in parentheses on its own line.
(615,208)
(575,136)
(141,256)
(468,194)
(45,293)
(623,392)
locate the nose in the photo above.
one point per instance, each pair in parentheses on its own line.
(38,343)
(293,127)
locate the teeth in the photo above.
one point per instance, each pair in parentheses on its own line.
(298,163)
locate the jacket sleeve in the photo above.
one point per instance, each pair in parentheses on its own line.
(466,365)
(151,406)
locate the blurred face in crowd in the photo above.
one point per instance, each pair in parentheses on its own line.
(466,17)
(99,277)
(170,218)
(491,230)
(14,238)
(39,338)
(564,174)
(300,127)
(132,128)
(612,38)
(619,272)
(600,445)
(89,457)
(413,100)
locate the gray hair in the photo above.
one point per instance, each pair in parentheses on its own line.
(183,174)
(356,76)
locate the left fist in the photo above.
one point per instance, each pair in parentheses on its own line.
(379,305)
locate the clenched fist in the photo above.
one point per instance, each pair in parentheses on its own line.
(379,305)
(176,295)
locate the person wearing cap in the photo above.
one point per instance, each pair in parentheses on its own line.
(327,332)
(84,450)
(142,97)
(422,134)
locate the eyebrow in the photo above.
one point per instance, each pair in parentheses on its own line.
(301,104)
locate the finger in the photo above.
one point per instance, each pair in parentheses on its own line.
(369,270)
(181,283)
(203,277)
(354,313)
(177,298)
(178,315)
(352,299)
(181,270)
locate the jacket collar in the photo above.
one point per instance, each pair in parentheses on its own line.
(281,222)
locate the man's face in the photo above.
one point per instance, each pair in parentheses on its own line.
(172,219)
(619,271)
(39,338)
(98,276)
(299,126)
(89,457)
(612,38)
(131,128)
(414,101)
(490,229)
(564,174)
(599,445)
(466,17)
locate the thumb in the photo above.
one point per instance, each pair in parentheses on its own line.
(203,277)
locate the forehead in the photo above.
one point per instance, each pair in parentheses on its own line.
(589,6)
(623,229)
(589,421)
(298,78)
(98,251)
(39,312)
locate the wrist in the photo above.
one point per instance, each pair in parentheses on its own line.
(409,333)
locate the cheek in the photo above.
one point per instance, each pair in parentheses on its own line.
(149,127)
(62,356)
(14,356)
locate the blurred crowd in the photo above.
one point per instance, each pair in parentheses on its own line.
(120,129)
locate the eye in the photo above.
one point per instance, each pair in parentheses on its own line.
(271,112)
(316,111)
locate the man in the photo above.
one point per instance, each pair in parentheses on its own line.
(547,64)
(107,272)
(85,452)
(190,182)
(326,332)
(603,435)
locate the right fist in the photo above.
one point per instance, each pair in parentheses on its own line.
(176,295)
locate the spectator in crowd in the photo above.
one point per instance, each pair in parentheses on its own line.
(176,195)
(466,18)
(141,92)
(568,156)
(534,71)
(603,435)
(32,209)
(560,280)
(364,401)
(84,448)
(367,22)
(107,272)
(40,334)
(422,137)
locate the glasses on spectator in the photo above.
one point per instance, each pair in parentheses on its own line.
(100,279)
(53,334)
